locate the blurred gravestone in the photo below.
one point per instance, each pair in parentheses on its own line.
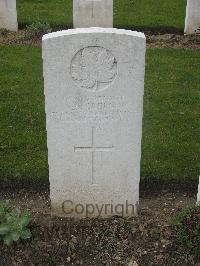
(198,195)
(8,15)
(93,13)
(192,20)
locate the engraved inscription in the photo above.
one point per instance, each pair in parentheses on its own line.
(94,109)
(93,149)
(93,68)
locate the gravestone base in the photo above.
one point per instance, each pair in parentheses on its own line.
(8,15)
(92,206)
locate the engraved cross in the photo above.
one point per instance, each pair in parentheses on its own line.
(93,149)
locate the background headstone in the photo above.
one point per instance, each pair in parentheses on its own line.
(8,15)
(94,82)
(93,13)
(198,195)
(192,20)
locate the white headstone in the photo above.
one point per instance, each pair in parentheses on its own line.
(94,82)
(8,15)
(192,20)
(93,13)
(198,195)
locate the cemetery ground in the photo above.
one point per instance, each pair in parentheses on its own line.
(170,145)
(147,240)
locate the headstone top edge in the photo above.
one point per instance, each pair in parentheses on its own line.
(92,30)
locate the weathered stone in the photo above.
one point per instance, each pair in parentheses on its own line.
(192,20)
(8,15)
(94,82)
(93,13)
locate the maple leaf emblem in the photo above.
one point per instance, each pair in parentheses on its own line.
(94,68)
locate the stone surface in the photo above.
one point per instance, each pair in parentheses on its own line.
(198,195)
(94,82)
(93,13)
(192,20)
(8,15)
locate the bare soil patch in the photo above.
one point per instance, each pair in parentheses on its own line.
(173,41)
(148,239)
(153,41)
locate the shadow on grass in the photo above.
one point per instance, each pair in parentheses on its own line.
(154,30)
(145,29)
(147,187)
(155,187)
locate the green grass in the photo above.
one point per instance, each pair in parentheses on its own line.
(153,14)
(54,12)
(171,114)
(127,13)
(22,118)
(170,146)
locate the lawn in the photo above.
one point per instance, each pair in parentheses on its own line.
(150,14)
(170,147)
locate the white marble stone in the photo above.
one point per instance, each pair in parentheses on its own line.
(198,195)
(192,20)
(94,84)
(93,13)
(8,15)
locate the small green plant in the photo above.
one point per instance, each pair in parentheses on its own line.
(13,224)
(187,224)
(37,29)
